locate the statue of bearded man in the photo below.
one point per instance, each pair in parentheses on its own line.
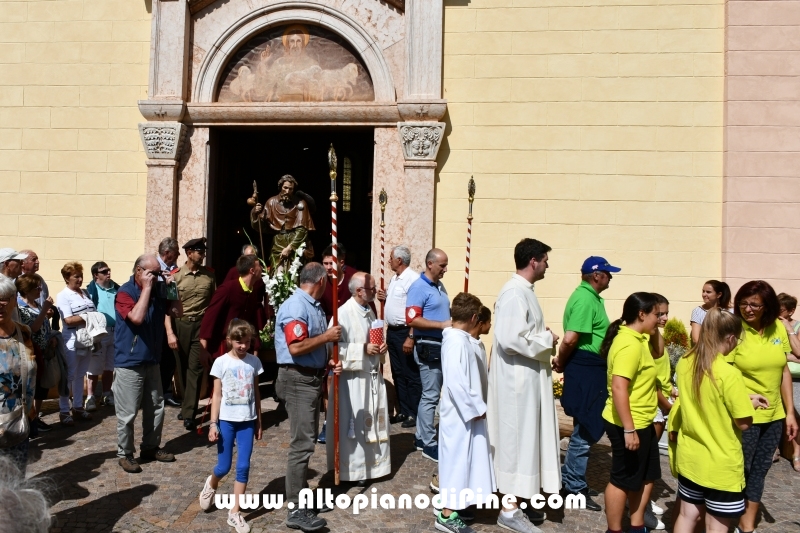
(288,217)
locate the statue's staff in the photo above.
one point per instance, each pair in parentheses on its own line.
(471,193)
(335,292)
(382,199)
(252,201)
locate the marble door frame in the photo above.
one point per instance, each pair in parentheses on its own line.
(180,111)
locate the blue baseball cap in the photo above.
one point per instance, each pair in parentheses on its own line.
(597,264)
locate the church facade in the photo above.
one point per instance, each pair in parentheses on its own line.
(661,135)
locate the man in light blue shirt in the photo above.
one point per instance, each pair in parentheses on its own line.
(301,335)
(102,290)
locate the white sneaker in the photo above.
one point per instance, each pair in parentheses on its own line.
(236,521)
(656,509)
(91,404)
(207,496)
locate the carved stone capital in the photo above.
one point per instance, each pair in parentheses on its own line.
(421,140)
(422,110)
(162,109)
(162,140)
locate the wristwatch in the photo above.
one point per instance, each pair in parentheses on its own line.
(411,337)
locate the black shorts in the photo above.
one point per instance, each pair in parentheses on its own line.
(629,470)
(717,502)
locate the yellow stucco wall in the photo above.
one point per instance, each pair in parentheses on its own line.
(72,172)
(594,128)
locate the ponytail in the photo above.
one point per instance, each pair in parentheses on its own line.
(634,304)
(611,332)
(724,292)
(717,325)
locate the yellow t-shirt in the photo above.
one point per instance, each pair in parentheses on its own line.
(709,448)
(761,360)
(630,358)
(663,376)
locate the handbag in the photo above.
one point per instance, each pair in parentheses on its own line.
(51,374)
(14,426)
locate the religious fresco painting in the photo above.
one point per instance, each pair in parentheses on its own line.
(296,63)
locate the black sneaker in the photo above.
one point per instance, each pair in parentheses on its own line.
(129,464)
(172,402)
(397,418)
(409,422)
(305,520)
(590,503)
(651,521)
(418,444)
(157,454)
(43,426)
(324,509)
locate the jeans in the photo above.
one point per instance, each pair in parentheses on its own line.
(77,365)
(302,395)
(135,386)
(573,471)
(431,377)
(242,433)
(405,372)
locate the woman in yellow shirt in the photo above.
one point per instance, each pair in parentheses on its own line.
(761,358)
(630,409)
(714,407)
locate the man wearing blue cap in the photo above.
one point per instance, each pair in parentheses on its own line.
(584,396)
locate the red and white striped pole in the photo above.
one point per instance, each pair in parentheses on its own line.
(382,199)
(471,193)
(335,290)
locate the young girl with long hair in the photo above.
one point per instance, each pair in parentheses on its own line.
(630,410)
(715,294)
(235,416)
(713,409)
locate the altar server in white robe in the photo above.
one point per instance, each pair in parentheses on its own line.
(523,426)
(464,459)
(363,411)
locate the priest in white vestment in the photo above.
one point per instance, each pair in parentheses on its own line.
(523,426)
(363,410)
(465,461)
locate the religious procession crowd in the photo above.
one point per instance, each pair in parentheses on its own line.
(152,339)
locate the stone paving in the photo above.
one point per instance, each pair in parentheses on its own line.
(92,494)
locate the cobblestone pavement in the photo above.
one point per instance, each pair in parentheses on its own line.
(92,494)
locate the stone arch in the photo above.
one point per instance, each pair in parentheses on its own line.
(284,13)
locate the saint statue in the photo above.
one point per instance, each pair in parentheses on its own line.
(288,216)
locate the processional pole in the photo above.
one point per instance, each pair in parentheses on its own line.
(335,291)
(471,194)
(253,200)
(382,199)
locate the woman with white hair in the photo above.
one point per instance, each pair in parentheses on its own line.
(25,508)
(16,359)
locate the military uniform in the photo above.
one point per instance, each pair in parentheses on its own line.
(195,290)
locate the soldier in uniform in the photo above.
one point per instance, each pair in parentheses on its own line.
(288,216)
(196,286)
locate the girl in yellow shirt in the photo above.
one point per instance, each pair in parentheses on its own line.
(713,408)
(761,358)
(630,409)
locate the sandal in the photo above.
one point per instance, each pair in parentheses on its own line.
(82,414)
(796,464)
(66,419)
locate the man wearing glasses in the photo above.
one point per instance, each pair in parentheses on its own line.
(196,286)
(103,291)
(363,411)
(585,324)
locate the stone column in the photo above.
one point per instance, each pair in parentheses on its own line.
(162,143)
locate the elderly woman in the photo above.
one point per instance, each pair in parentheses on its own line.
(72,302)
(761,358)
(16,350)
(31,314)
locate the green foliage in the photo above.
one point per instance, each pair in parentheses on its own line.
(675,333)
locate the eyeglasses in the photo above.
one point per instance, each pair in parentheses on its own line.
(104,272)
(368,288)
(754,307)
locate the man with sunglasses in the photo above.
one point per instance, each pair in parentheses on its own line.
(103,291)
(585,324)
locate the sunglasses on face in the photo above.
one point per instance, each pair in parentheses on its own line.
(104,272)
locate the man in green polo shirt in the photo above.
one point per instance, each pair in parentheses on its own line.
(584,396)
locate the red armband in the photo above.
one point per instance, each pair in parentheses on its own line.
(412,313)
(295,331)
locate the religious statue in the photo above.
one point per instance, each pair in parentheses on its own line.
(288,217)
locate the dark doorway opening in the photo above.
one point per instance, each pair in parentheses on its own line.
(241,155)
